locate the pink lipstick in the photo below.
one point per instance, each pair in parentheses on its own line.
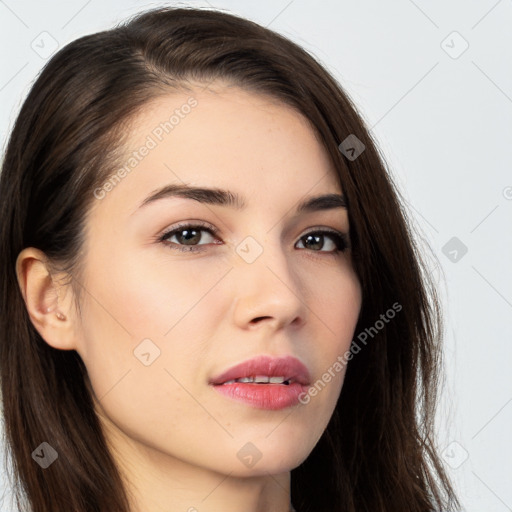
(265,382)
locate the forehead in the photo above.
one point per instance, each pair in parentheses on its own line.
(222,137)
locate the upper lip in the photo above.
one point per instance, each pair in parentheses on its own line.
(288,367)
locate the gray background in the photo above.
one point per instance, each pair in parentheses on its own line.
(441,114)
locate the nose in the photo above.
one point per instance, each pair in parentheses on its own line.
(268,292)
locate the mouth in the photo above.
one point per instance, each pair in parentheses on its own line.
(264,382)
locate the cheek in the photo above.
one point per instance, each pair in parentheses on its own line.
(335,303)
(149,298)
(335,308)
(137,313)
(141,343)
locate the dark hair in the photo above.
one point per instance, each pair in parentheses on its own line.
(378,452)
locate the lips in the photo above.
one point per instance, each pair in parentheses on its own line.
(264,382)
(264,366)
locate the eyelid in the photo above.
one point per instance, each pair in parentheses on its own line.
(188,223)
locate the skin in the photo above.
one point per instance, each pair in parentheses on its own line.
(175,438)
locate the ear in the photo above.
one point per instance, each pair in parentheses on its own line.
(48,300)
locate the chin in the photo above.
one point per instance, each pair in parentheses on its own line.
(271,466)
(270,456)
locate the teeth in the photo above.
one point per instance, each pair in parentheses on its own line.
(260,379)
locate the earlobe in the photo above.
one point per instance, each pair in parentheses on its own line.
(48,305)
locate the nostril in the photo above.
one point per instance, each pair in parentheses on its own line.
(254,320)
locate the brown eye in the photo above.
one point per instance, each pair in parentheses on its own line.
(316,241)
(187,237)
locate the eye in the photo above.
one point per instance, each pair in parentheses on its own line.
(185,237)
(315,239)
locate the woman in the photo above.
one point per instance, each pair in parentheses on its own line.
(211,297)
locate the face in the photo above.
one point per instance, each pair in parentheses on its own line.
(180,289)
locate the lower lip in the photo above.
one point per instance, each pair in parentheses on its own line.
(264,396)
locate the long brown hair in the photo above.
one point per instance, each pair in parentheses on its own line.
(378,452)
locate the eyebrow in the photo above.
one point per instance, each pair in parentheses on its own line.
(222,197)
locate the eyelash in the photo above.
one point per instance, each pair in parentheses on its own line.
(340,239)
